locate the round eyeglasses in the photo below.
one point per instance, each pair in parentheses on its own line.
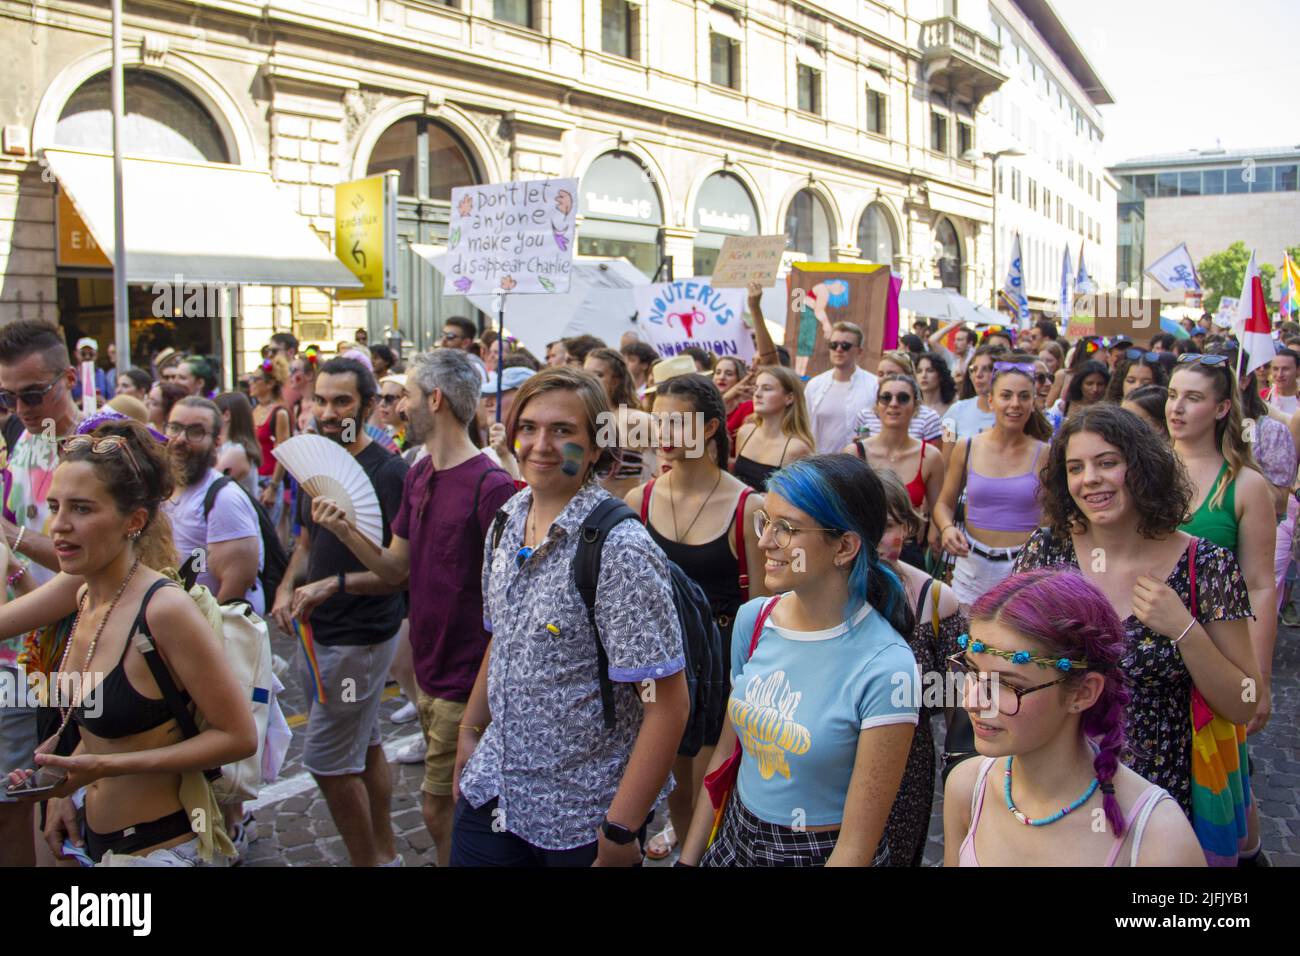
(783,532)
(991,689)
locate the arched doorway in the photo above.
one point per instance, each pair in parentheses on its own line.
(622,213)
(163,120)
(723,208)
(431,160)
(876,236)
(950,263)
(808,226)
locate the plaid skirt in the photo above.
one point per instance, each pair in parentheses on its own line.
(745,840)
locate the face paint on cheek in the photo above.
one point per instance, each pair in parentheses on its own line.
(572,459)
(518,447)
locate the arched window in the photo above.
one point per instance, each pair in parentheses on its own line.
(876,236)
(723,208)
(950,271)
(621,210)
(404,143)
(808,227)
(163,120)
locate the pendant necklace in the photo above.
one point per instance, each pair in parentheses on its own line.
(677,536)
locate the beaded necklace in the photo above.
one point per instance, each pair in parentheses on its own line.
(1044,821)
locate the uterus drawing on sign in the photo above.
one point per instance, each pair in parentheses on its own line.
(689,321)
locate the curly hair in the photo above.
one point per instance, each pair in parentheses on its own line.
(1115,389)
(1155,477)
(947,385)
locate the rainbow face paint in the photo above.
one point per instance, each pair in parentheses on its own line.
(573,455)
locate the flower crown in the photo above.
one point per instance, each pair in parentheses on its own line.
(1020,657)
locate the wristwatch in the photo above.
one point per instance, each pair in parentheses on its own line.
(616,832)
(343,580)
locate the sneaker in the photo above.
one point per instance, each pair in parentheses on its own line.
(396,861)
(1291,616)
(405,714)
(413,752)
(249,826)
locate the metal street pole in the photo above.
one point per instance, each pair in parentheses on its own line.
(993,294)
(121,317)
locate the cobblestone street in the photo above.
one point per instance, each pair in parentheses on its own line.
(294,826)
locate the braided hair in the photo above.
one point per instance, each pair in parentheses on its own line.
(1066,616)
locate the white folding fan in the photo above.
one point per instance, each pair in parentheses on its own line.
(326,470)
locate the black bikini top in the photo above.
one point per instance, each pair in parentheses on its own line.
(121,709)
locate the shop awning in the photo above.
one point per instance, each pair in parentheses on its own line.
(204,222)
(722,22)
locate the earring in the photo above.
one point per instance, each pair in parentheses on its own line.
(134,536)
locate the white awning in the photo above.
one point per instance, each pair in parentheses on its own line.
(205,222)
(722,22)
(809,56)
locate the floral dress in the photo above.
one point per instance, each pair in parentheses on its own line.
(1158,721)
(909,819)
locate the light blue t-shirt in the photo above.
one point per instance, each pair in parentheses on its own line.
(799,704)
(967,420)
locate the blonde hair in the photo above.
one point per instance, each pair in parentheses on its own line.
(900,358)
(1227,430)
(794,423)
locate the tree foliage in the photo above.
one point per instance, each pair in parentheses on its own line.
(1223,272)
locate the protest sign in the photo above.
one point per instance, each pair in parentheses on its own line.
(1117,316)
(823,293)
(691,312)
(746,259)
(516,237)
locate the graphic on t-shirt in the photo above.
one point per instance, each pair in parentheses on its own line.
(765,719)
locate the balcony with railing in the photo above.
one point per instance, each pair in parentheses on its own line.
(964,59)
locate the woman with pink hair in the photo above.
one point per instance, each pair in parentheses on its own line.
(1044,686)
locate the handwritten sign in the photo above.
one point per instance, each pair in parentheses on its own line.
(515,237)
(746,259)
(677,315)
(1115,316)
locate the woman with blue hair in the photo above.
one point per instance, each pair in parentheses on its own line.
(823,705)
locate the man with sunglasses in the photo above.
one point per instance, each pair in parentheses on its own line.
(837,396)
(36,382)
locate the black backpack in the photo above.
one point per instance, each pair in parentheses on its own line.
(707,675)
(274,559)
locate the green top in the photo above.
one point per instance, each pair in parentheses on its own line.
(1217,525)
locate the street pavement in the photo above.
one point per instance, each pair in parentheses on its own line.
(294,826)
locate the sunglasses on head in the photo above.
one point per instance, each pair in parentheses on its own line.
(1135,355)
(1025,367)
(1193,358)
(840,346)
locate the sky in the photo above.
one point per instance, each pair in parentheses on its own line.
(1185,73)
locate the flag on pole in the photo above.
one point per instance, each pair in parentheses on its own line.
(1013,291)
(1067,294)
(1254,330)
(1083,283)
(1175,270)
(1289,298)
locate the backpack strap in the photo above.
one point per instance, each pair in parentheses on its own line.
(210,496)
(645,502)
(586,576)
(920,601)
(862,449)
(934,606)
(144,643)
(742,562)
(499,527)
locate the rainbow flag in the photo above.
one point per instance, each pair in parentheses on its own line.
(1289,297)
(1220,785)
(302,630)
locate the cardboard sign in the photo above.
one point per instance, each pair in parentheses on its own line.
(823,293)
(691,312)
(746,259)
(514,237)
(1113,315)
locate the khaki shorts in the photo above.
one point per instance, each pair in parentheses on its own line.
(440,720)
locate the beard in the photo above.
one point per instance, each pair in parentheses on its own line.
(349,428)
(419,423)
(188,466)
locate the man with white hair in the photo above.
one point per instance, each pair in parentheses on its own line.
(449,501)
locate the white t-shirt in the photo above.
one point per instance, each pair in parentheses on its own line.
(232,517)
(1287,404)
(830,424)
(967,419)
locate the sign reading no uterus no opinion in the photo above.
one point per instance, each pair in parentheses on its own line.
(515,237)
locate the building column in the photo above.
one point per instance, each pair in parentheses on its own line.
(27,268)
(680,244)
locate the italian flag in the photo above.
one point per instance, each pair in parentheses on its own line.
(1253,328)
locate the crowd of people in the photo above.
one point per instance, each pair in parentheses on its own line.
(610,581)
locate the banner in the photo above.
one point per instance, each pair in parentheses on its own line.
(1066,298)
(1116,316)
(823,293)
(1175,270)
(1013,291)
(746,259)
(1083,284)
(690,312)
(514,237)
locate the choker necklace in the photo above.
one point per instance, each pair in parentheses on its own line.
(1044,821)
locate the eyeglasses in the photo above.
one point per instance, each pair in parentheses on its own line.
(1042,378)
(1025,367)
(889,398)
(449,334)
(782,531)
(840,346)
(192,432)
(99,446)
(1192,358)
(992,689)
(29,396)
(1135,355)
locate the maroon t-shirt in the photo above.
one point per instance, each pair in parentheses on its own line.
(446,533)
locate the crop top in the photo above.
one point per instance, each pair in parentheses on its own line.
(1003,504)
